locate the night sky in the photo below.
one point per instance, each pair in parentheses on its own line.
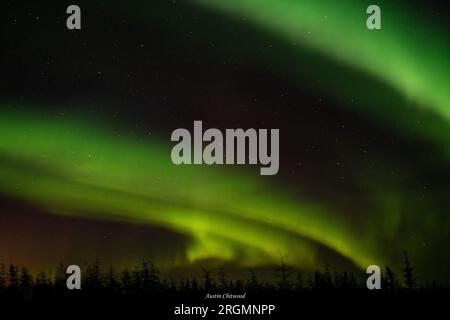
(364,118)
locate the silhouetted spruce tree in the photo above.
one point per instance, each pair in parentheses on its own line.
(26,283)
(352,280)
(342,281)
(336,279)
(223,285)
(253,283)
(165,284)
(408,274)
(299,285)
(322,280)
(136,280)
(144,275)
(391,283)
(126,281)
(41,279)
(2,277)
(310,281)
(187,285)
(194,285)
(182,285)
(155,280)
(13,278)
(42,284)
(112,284)
(172,285)
(207,281)
(284,272)
(231,285)
(60,278)
(26,279)
(148,277)
(318,282)
(327,279)
(93,279)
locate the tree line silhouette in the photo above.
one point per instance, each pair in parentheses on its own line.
(145,279)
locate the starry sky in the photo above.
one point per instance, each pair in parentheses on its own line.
(364,119)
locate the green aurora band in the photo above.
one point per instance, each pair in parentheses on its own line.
(337,29)
(78,171)
(413,65)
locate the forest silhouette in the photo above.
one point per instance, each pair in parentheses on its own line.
(145,280)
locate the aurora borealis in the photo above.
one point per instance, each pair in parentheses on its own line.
(364,118)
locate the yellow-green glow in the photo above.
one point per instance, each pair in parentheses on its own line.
(72,169)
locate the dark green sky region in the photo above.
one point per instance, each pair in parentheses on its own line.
(364,119)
